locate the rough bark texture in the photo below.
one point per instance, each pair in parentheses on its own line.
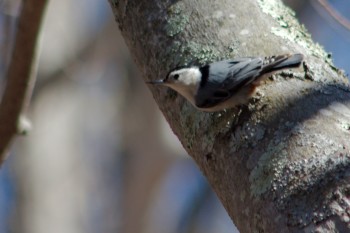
(279,164)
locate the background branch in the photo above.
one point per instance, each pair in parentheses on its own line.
(21,74)
(333,13)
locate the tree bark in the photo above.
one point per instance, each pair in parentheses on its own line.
(280,163)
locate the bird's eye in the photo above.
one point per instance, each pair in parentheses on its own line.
(176,77)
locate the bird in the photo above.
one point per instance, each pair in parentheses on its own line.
(225,84)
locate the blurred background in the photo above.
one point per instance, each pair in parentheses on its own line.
(101,157)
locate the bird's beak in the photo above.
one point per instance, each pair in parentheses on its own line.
(156,82)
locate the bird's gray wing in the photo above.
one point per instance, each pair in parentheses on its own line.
(242,73)
(226,78)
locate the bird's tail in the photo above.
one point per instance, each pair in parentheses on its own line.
(275,63)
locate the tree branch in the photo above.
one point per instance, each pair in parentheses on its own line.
(20,75)
(279,164)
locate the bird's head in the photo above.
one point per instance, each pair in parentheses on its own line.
(180,78)
(183,80)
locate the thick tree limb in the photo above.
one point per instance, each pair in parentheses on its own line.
(21,74)
(280,164)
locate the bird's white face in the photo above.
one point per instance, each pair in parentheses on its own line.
(185,81)
(183,77)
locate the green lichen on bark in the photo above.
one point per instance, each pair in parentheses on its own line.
(267,169)
(177,19)
(185,53)
(290,28)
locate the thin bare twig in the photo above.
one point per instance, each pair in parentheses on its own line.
(334,14)
(21,73)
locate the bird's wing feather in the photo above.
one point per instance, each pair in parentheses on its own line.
(228,77)
(242,74)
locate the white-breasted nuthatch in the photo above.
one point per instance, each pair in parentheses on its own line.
(225,84)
